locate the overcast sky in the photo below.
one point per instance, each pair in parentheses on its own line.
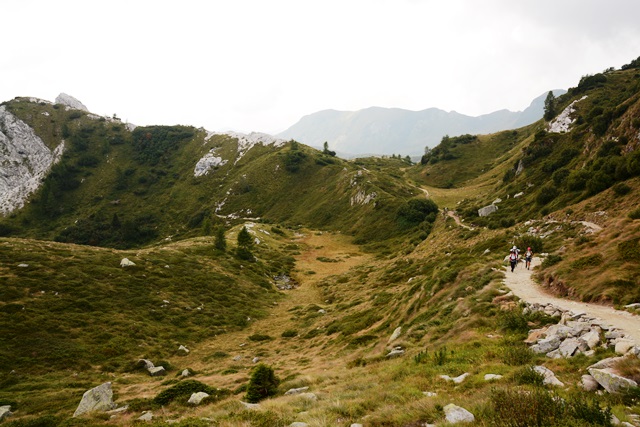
(260,65)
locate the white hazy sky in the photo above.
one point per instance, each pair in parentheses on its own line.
(260,65)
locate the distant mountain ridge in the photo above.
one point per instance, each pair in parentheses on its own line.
(397,131)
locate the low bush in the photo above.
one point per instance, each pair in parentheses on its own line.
(262,384)
(260,337)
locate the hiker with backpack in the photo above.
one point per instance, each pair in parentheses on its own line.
(513,258)
(528,255)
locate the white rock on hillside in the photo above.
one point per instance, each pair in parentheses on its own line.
(455,414)
(562,123)
(611,381)
(207,163)
(5,411)
(247,141)
(549,376)
(70,102)
(24,161)
(196,398)
(99,398)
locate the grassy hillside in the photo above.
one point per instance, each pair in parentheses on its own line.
(367,253)
(120,188)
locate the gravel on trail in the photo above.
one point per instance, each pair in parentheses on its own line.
(526,289)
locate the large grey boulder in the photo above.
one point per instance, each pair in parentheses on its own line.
(547,345)
(5,411)
(609,362)
(99,398)
(487,210)
(624,345)
(591,338)
(568,347)
(146,416)
(70,102)
(549,376)
(611,381)
(396,352)
(455,414)
(196,398)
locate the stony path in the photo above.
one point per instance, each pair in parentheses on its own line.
(523,287)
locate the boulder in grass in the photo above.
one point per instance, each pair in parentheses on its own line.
(296,390)
(196,398)
(455,414)
(611,381)
(183,351)
(146,416)
(157,371)
(549,376)
(99,398)
(126,262)
(5,411)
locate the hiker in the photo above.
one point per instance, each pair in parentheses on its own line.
(513,259)
(528,255)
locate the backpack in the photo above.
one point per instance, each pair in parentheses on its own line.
(513,256)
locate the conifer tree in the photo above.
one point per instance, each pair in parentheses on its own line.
(263,383)
(221,241)
(549,106)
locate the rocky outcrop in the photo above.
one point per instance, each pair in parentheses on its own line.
(207,163)
(97,399)
(562,123)
(395,335)
(576,333)
(24,161)
(70,102)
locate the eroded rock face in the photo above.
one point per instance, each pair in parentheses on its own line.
(70,102)
(24,161)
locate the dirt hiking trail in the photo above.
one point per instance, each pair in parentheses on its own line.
(526,289)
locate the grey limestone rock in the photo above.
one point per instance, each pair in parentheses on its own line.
(588,383)
(487,210)
(296,390)
(568,347)
(611,381)
(157,371)
(99,398)
(146,416)
(546,345)
(455,414)
(5,411)
(396,333)
(196,398)
(70,102)
(549,376)
(26,160)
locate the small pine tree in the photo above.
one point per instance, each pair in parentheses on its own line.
(245,241)
(549,106)
(221,241)
(262,384)
(244,238)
